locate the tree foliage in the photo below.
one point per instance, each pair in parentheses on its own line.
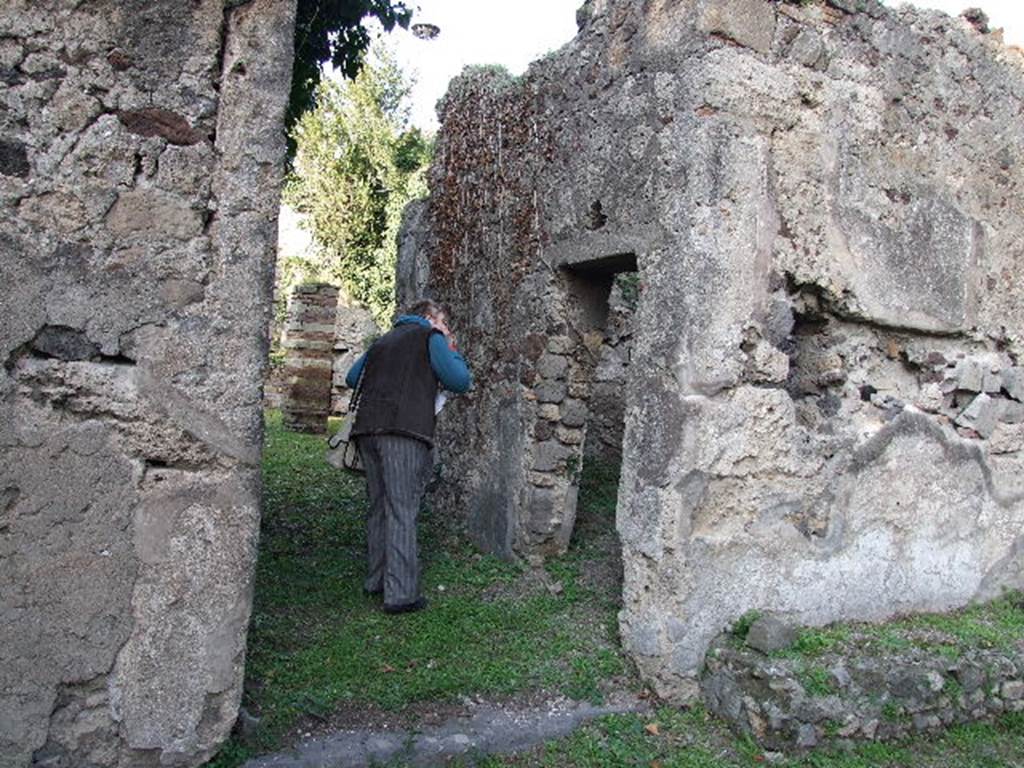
(357,165)
(334,31)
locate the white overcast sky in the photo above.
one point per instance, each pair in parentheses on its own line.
(514,33)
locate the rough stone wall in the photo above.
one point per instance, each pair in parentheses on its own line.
(308,341)
(607,407)
(353,327)
(824,205)
(140,160)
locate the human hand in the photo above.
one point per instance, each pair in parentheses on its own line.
(441,324)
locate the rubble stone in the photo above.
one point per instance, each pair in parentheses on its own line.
(1013,382)
(982,415)
(770,633)
(878,692)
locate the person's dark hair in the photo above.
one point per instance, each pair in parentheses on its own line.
(427,308)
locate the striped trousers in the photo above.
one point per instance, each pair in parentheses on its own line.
(396,475)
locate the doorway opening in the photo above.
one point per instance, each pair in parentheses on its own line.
(603,294)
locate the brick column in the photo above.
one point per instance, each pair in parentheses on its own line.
(308,341)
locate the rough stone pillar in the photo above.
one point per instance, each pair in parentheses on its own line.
(141,153)
(354,328)
(308,341)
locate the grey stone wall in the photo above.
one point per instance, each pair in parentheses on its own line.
(140,160)
(607,412)
(822,408)
(354,326)
(861,689)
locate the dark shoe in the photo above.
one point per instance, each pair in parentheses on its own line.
(417,605)
(373,592)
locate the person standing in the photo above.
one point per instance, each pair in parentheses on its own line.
(399,377)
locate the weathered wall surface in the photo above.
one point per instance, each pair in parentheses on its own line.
(823,412)
(140,160)
(607,407)
(353,327)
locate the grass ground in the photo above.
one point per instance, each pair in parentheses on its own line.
(322,656)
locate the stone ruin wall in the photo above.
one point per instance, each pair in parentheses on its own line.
(354,327)
(140,160)
(823,408)
(607,405)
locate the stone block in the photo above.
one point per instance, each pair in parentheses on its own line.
(543,430)
(549,412)
(543,479)
(593,340)
(560,345)
(970,677)
(569,436)
(981,415)
(574,413)
(1012,690)
(930,398)
(14,159)
(770,633)
(579,390)
(808,49)
(551,391)
(552,366)
(1007,438)
(545,510)
(1013,413)
(750,23)
(151,212)
(1013,382)
(970,375)
(550,455)
(806,736)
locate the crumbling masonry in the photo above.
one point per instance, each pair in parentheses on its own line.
(823,408)
(141,151)
(824,412)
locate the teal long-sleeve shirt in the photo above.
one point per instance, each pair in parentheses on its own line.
(448,365)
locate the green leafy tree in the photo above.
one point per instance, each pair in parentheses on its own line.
(334,31)
(357,165)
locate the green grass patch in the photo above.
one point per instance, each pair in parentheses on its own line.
(997,624)
(817,681)
(741,627)
(892,712)
(317,644)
